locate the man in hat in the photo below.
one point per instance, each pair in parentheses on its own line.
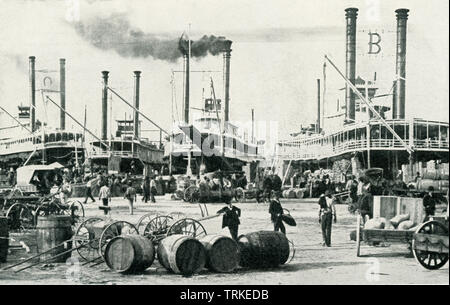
(230,219)
(327,213)
(429,203)
(276,210)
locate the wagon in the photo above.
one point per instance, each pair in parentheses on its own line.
(428,240)
(29,199)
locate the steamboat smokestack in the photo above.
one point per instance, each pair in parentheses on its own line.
(32,71)
(318,105)
(350,58)
(105,106)
(62,93)
(226,61)
(186,88)
(137,75)
(398,107)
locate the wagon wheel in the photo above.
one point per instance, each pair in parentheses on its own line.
(239,194)
(191,194)
(177,215)
(114,229)
(144,220)
(15,192)
(187,226)
(20,217)
(87,237)
(158,226)
(431,260)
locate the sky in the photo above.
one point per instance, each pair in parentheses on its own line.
(278,55)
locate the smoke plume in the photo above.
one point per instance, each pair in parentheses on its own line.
(116,33)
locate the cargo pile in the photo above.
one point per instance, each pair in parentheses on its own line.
(432,173)
(399,222)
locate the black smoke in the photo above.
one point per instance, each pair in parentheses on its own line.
(116,33)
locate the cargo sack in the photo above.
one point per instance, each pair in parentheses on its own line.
(405,225)
(396,220)
(375,223)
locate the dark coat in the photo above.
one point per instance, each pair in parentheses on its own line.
(267,184)
(275,208)
(429,204)
(231,217)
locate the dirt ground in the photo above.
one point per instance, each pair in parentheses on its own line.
(311,264)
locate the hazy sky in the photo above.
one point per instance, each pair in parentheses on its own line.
(278,53)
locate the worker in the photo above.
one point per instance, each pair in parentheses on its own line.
(89,186)
(276,210)
(153,190)
(204,190)
(267,186)
(146,189)
(66,190)
(130,195)
(104,196)
(230,219)
(429,203)
(276,184)
(327,213)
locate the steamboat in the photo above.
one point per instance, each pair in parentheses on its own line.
(368,137)
(212,142)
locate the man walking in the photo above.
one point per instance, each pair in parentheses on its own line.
(276,210)
(327,213)
(89,185)
(104,196)
(230,219)
(130,195)
(153,190)
(146,189)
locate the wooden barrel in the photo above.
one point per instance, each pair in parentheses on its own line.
(222,253)
(181,254)
(129,253)
(291,193)
(299,193)
(4,241)
(284,194)
(425,183)
(263,249)
(51,232)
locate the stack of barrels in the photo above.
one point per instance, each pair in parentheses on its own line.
(186,255)
(293,193)
(435,175)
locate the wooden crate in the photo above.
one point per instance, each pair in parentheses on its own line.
(390,206)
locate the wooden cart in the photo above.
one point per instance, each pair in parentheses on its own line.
(388,207)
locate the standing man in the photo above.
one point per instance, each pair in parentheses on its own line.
(66,191)
(327,213)
(429,203)
(230,219)
(153,190)
(104,196)
(146,189)
(89,190)
(267,186)
(130,194)
(276,210)
(276,184)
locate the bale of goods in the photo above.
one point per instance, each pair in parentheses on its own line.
(290,193)
(406,225)
(4,239)
(375,223)
(431,174)
(398,219)
(263,249)
(181,254)
(52,232)
(424,184)
(129,253)
(222,253)
(299,193)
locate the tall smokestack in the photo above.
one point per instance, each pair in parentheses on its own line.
(62,93)
(137,75)
(226,59)
(105,106)
(398,107)
(32,71)
(350,58)
(186,88)
(318,105)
